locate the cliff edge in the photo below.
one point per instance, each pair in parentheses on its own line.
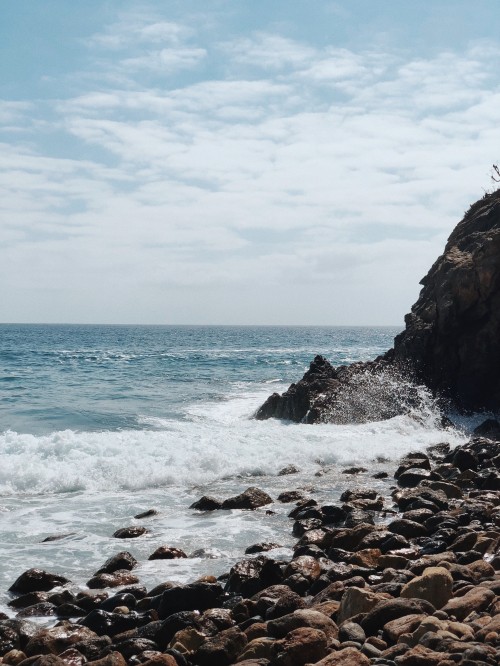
(451,342)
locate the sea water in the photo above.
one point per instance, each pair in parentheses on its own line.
(100,423)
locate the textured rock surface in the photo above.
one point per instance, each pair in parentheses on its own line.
(450,343)
(451,336)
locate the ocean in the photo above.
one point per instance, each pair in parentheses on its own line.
(100,423)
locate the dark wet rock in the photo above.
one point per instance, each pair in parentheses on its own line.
(121,599)
(407,528)
(261,548)
(68,610)
(222,649)
(289,469)
(290,496)
(28,599)
(301,506)
(333,515)
(113,658)
(57,537)
(9,639)
(351,631)
(348,656)
(299,647)
(122,560)
(354,470)
(302,526)
(464,460)
(103,623)
(88,601)
(115,579)
(412,477)
(251,498)
(54,640)
(134,646)
(207,503)
(421,498)
(131,532)
(285,604)
(489,428)
(42,609)
(477,599)
(147,514)
(37,580)
(194,596)
(248,577)
(385,611)
(280,627)
(167,553)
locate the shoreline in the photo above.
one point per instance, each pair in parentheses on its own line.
(351,572)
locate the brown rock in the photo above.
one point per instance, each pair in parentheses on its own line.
(222,649)
(402,625)
(421,656)
(131,532)
(37,580)
(111,659)
(161,660)
(368,557)
(435,585)
(301,646)
(120,561)
(347,657)
(259,648)
(115,579)
(251,498)
(305,617)
(167,553)
(476,599)
(13,657)
(57,639)
(357,600)
(385,611)
(305,565)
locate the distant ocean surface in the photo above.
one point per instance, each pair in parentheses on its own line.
(99,423)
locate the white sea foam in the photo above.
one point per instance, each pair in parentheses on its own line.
(217,440)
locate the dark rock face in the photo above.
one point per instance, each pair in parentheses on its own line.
(451,336)
(359,393)
(449,345)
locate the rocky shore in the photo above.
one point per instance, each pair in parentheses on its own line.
(449,345)
(406,578)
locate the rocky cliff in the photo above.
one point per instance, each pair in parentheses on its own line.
(452,334)
(451,343)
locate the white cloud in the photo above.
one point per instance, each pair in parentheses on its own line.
(297,188)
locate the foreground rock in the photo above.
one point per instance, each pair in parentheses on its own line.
(357,591)
(450,343)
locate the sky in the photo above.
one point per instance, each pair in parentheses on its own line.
(238,161)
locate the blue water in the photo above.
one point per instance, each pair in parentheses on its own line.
(96,378)
(99,423)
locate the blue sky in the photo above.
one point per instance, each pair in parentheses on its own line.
(246,162)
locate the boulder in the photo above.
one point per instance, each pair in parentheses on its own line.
(131,532)
(167,553)
(122,560)
(37,580)
(476,599)
(435,585)
(222,649)
(251,498)
(305,617)
(300,646)
(349,656)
